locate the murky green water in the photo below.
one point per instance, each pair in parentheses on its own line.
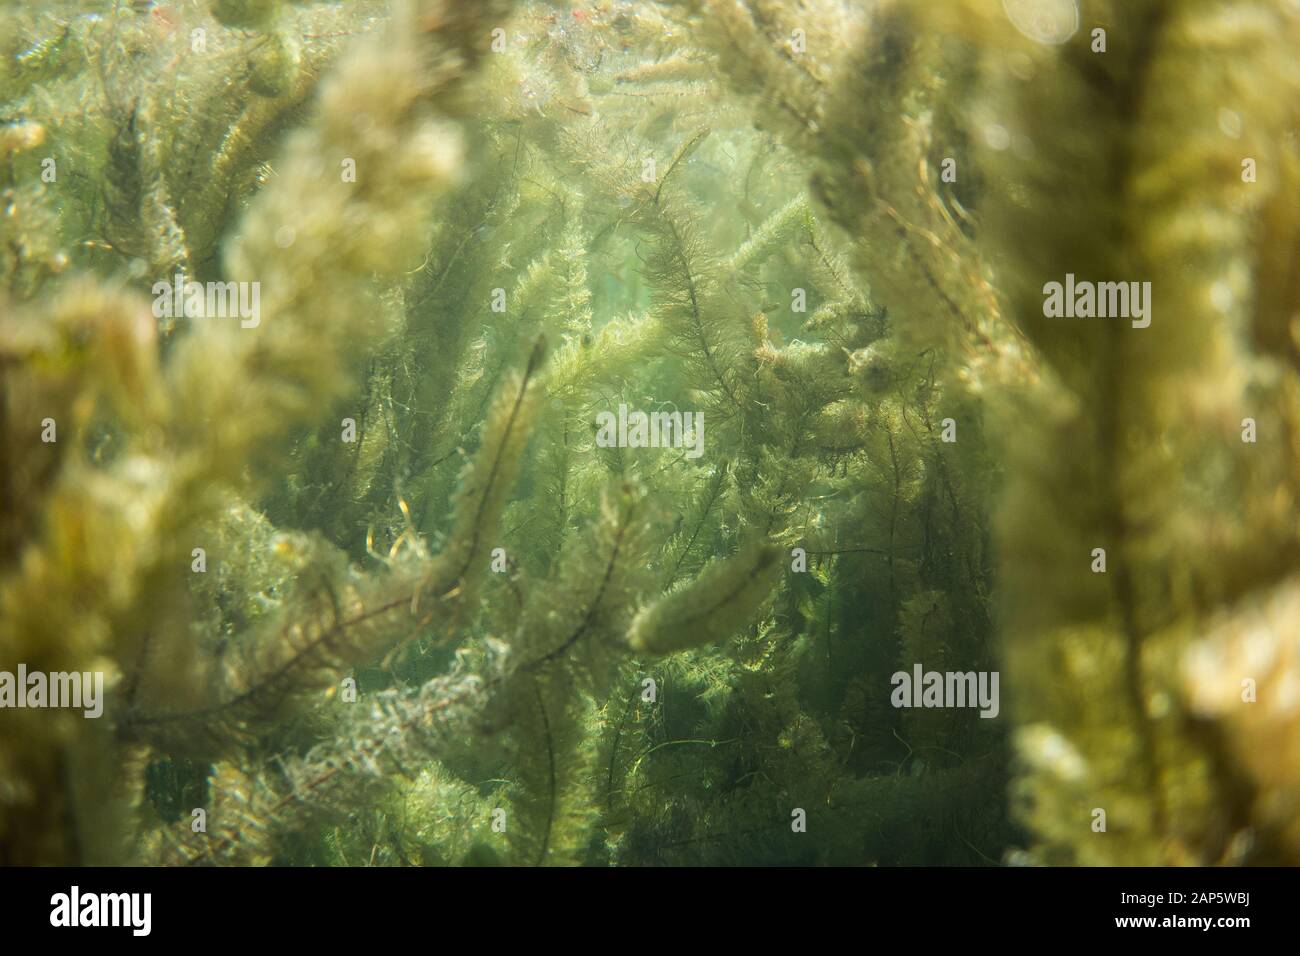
(635,433)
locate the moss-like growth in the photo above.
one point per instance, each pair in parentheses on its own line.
(312,320)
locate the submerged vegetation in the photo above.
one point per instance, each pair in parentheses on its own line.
(316,320)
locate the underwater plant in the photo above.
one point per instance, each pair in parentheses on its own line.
(558,433)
